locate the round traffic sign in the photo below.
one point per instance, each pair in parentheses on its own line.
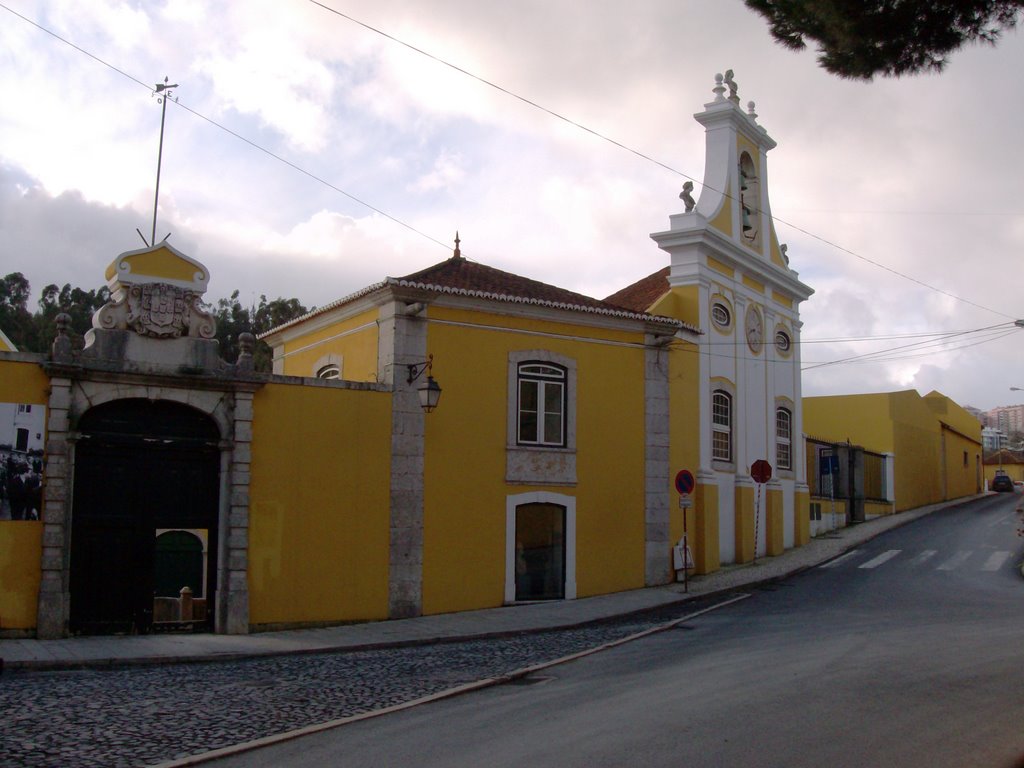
(684,482)
(761,471)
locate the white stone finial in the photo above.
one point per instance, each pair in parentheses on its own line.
(719,89)
(750,111)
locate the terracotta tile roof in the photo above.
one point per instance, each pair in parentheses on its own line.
(457,276)
(642,294)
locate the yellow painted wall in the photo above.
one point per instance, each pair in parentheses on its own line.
(918,449)
(354,339)
(876,509)
(774,522)
(319,505)
(21,544)
(744,510)
(681,303)
(862,419)
(962,459)
(802,522)
(722,221)
(20,541)
(466,491)
(159,262)
(704,539)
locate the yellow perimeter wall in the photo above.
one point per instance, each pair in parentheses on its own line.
(319,506)
(928,460)
(20,541)
(464,548)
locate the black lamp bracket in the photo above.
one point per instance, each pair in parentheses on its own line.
(416,369)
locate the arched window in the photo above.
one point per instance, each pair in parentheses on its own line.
(720,315)
(541,406)
(329,371)
(783,438)
(721,425)
(783,343)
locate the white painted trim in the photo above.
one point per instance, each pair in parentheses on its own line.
(540,497)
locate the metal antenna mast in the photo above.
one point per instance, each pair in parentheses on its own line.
(163,88)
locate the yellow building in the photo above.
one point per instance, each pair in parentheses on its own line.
(914,450)
(340,489)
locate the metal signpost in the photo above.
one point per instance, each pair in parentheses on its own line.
(829,467)
(761,471)
(682,558)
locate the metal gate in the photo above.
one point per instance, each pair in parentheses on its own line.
(141,466)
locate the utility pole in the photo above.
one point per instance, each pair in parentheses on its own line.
(162,92)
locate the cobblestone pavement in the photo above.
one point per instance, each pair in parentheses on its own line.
(142,715)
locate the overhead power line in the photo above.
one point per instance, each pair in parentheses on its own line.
(506,91)
(642,155)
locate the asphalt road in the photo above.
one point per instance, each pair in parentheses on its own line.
(906,652)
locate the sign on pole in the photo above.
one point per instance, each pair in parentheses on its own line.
(685,482)
(761,471)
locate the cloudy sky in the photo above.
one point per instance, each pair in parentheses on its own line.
(309,156)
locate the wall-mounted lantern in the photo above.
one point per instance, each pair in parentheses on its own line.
(430,391)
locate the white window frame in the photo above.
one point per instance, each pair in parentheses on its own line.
(722,428)
(545,379)
(783,439)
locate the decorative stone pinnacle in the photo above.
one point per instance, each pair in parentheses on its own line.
(719,89)
(750,111)
(458,253)
(61,349)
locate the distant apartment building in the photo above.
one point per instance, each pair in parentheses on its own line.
(1007,418)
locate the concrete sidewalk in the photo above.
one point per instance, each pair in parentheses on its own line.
(79,652)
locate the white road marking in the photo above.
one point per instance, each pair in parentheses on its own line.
(955,561)
(841,558)
(995,561)
(926,555)
(882,558)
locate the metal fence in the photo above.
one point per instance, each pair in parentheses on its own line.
(835,470)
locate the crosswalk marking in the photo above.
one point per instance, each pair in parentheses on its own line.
(995,561)
(882,558)
(955,561)
(840,559)
(926,555)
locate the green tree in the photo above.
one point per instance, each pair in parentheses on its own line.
(859,39)
(234,319)
(15,319)
(79,304)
